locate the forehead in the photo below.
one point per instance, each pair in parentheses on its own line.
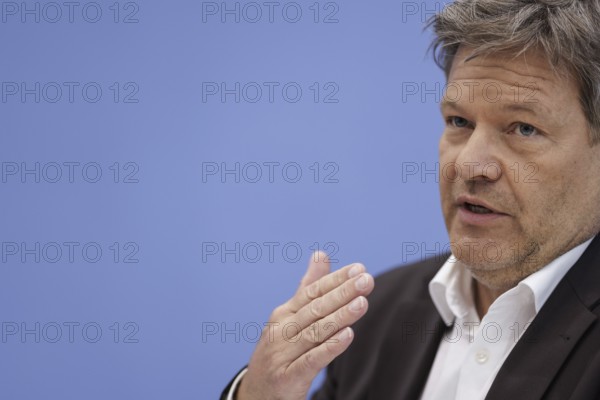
(528,70)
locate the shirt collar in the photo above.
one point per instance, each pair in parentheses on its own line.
(451,290)
(543,282)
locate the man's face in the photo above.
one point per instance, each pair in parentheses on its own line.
(517,142)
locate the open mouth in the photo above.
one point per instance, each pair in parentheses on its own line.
(477,209)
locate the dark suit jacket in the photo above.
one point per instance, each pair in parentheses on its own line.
(395,343)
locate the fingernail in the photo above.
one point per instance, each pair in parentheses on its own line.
(362,282)
(356,304)
(318,256)
(355,270)
(345,335)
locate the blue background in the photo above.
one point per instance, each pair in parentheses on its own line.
(372,128)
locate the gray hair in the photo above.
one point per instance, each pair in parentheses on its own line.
(566,31)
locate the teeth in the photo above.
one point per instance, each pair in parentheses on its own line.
(478,209)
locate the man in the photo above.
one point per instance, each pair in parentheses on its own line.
(513,312)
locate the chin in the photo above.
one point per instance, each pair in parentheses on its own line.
(500,280)
(481,251)
(497,264)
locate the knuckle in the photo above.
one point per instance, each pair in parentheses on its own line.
(331,347)
(308,362)
(343,293)
(339,279)
(311,334)
(312,291)
(291,332)
(339,317)
(330,328)
(278,313)
(316,308)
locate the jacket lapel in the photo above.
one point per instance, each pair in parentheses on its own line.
(535,360)
(407,352)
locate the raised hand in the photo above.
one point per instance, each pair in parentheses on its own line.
(307,332)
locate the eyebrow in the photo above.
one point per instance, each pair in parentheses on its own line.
(530,109)
(533,110)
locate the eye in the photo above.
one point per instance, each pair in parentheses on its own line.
(457,122)
(525,130)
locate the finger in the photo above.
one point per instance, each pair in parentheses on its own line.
(321,307)
(318,267)
(324,285)
(307,366)
(321,331)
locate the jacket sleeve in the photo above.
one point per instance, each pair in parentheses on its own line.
(230,385)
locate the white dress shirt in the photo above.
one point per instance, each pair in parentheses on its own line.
(471,354)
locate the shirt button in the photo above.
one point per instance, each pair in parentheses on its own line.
(481,357)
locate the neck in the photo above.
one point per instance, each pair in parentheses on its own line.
(484,297)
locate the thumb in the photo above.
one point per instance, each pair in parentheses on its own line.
(318,267)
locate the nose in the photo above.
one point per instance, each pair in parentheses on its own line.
(477,159)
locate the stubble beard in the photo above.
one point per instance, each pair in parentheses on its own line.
(499,266)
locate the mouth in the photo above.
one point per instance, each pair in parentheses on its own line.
(473,211)
(476,205)
(477,209)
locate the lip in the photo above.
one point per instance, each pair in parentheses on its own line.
(472,218)
(461,200)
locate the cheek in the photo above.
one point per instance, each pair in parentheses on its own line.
(573,202)
(572,196)
(448,171)
(544,202)
(449,175)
